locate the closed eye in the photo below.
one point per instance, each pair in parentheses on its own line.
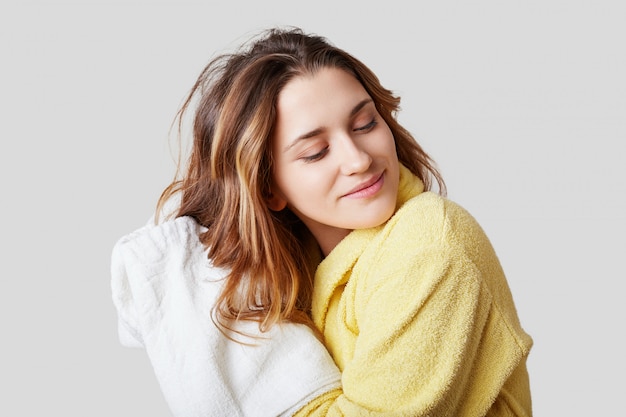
(315,157)
(367,127)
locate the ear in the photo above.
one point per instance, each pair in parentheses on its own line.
(275,202)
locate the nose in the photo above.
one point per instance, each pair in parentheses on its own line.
(354,158)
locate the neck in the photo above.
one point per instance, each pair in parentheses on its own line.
(329,238)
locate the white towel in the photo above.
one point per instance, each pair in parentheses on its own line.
(163,287)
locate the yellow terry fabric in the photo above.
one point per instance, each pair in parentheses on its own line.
(419,318)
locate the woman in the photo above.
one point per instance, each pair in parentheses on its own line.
(318,204)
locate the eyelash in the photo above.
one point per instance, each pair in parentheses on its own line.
(319,155)
(315,157)
(367,127)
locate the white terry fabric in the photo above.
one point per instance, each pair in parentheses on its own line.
(163,287)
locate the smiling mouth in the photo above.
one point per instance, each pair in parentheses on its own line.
(367,189)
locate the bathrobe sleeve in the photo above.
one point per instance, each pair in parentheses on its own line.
(426,325)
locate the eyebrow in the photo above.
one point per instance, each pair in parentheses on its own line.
(319,130)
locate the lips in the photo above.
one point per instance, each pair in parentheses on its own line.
(367,188)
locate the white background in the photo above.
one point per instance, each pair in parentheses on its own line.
(522,104)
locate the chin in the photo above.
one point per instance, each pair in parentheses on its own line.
(378,220)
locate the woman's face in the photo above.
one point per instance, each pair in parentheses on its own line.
(335,161)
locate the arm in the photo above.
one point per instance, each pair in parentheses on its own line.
(431,329)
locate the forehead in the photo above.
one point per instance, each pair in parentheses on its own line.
(316,85)
(327,93)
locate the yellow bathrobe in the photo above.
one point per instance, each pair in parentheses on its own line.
(419,318)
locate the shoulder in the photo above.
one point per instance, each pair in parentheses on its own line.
(431,219)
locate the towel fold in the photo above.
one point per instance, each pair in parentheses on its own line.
(163,288)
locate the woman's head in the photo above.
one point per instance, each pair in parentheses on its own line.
(229,184)
(334,157)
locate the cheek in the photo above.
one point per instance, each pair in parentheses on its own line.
(304,185)
(288,182)
(391,144)
(386,145)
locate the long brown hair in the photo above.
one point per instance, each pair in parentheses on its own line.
(226,181)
